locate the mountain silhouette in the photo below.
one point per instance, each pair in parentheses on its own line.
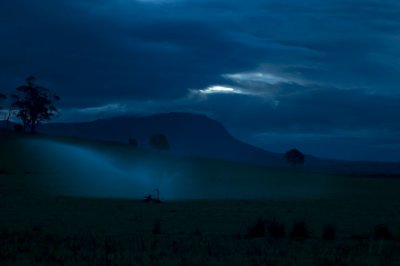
(187,134)
(198,135)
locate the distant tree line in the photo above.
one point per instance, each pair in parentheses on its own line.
(32,104)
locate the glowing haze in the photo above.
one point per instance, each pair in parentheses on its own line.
(75,170)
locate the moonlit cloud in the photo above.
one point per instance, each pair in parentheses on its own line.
(219,89)
(113,107)
(267,78)
(262,84)
(94,112)
(156,1)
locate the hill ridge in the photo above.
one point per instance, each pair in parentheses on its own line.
(198,135)
(188,134)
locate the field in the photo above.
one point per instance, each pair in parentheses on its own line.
(67,201)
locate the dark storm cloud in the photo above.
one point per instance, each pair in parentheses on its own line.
(97,49)
(143,49)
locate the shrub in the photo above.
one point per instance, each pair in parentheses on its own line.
(329,232)
(381,231)
(276,229)
(299,231)
(294,157)
(4,172)
(18,128)
(159,142)
(257,230)
(197,232)
(133,142)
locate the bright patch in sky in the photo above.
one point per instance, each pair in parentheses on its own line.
(154,1)
(94,112)
(112,107)
(257,77)
(219,89)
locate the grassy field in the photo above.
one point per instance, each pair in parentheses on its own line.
(213,213)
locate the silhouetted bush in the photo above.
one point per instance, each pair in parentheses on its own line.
(381,231)
(197,232)
(159,141)
(294,157)
(257,229)
(18,128)
(299,231)
(276,229)
(4,172)
(2,97)
(133,142)
(329,232)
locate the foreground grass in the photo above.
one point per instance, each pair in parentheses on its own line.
(42,230)
(35,248)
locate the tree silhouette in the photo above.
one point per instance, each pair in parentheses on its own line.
(133,142)
(34,104)
(2,98)
(294,157)
(159,141)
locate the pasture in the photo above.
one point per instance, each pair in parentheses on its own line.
(67,201)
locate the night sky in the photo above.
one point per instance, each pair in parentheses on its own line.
(322,76)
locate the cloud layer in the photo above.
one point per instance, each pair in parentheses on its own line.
(294,68)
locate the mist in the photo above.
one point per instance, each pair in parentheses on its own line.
(75,170)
